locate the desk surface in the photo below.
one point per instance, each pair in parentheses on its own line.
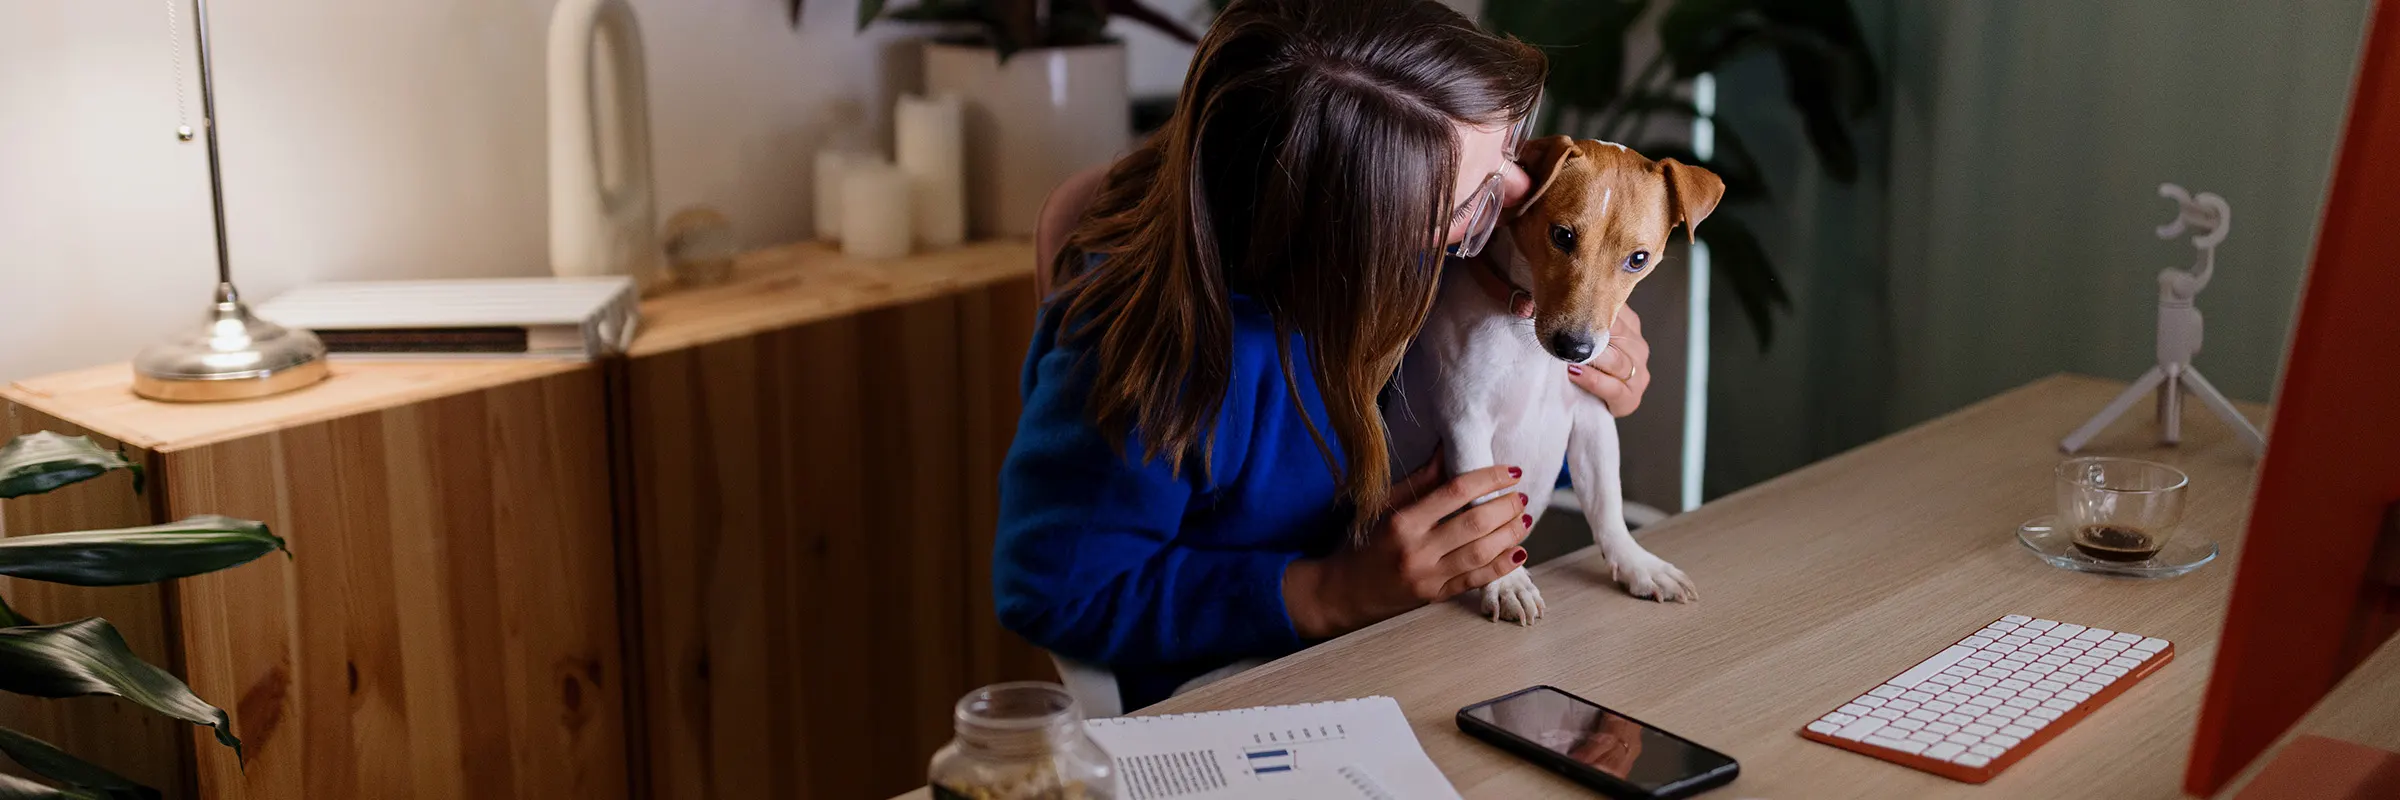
(1807,581)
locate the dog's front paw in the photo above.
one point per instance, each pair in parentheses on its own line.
(1513,598)
(1650,577)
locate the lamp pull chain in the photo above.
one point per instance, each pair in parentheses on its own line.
(183,113)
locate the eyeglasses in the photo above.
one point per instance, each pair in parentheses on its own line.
(1479,216)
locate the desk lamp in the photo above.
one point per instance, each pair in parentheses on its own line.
(237,355)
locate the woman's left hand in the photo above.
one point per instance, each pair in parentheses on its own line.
(1621,372)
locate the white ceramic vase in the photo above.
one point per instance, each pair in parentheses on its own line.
(1031,122)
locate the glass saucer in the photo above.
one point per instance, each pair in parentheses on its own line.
(2045,539)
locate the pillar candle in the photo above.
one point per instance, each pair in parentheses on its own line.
(830,163)
(875,210)
(929,136)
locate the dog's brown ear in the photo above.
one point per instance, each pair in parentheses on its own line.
(1692,192)
(1544,159)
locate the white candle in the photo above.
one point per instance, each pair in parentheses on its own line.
(875,210)
(830,164)
(930,141)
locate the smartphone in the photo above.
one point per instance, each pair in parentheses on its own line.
(1617,755)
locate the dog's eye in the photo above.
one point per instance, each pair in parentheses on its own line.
(1562,238)
(1637,262)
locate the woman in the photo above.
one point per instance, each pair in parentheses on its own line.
(1199,475)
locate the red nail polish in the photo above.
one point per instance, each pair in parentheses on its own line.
(1523,501)
(1529,520)
(1513,472)
(1574,369)
(1517,557)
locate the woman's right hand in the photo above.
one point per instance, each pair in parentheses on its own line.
(1426,550)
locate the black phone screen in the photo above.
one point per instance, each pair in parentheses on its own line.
(1599,738)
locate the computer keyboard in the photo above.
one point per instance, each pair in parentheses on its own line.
(1983,703)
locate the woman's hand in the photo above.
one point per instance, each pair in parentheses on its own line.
(1621,372)
(1426,550)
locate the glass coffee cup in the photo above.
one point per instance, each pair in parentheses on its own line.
(2120,510)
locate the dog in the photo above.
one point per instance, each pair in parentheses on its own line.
(1482,382)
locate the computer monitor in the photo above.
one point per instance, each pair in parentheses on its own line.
(2318,588)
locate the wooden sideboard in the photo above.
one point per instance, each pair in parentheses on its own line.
(750,558)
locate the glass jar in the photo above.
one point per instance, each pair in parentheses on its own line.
(1021,741)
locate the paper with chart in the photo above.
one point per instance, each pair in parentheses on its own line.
(1349,750)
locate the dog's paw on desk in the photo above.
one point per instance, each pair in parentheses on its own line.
(1650,577)
(1514,598)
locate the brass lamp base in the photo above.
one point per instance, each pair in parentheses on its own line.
(237,357)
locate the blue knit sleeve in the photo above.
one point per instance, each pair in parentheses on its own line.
(1086,562)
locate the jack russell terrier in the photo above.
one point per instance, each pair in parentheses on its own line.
(1483,383)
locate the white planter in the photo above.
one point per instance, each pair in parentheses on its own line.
(1030,123)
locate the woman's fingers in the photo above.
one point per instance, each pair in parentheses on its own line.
(1488,544)
(1508,561)
(1427,513)
(1620,397)
(1408,489)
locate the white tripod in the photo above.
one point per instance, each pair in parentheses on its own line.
(2179,332)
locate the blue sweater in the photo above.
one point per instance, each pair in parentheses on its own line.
(1157,576)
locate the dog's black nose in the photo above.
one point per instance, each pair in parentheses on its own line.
(1574,346)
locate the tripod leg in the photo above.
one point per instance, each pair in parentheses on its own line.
(2116,408)
(2170,410)
(2233,418)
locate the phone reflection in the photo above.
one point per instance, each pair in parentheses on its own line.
(1605,741)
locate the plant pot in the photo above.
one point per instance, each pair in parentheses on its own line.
(1031,122)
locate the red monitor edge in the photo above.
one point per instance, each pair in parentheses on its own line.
(2306,608)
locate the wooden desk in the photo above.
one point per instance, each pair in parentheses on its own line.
(1808,581)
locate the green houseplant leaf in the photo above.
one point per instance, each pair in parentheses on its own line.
(55,764)
(15,788)
(39,462)
(130,556)
(88,657)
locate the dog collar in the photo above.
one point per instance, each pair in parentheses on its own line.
(1487,275)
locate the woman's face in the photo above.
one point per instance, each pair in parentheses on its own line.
(1481,151)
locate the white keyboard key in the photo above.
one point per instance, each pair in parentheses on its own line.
(1942,728)
(1923,714)
(1839,719)
(2016,619)
(2125,637)
(2087,661)
(2014,684)
(2000,693)
(1977,728)
(1860,729)
(1979,681)
(2042,624)
(1969,760)
(2010,664)
(2049,685)
(2015,639)
(1853,709)
(1940,661)
(1953,698)
(2009,712)
(2075,646)
(2046,713)
(1823,727)
(2153,643)
(1927,737)
(2073,696)
(2056,704)
(1995,651)
(2048,641)
(1902,745)
(1884,713)
(2034,722)
(1943,752)
(2037,670)
(1886,690)
(2016,731)
(1868,700)
(1917,695)
(1971,664)
(1963,737)
(2003,740)
(1939,707)
(1908,724)
(1993,672)
(1939,683)
(2113,672)
(2094,634)
(2054,660)
(1977,641)
(1960,670)
(2038,694)
(2086,687)
(2074,671)
(2034,650)
(1957,719)
(1985,750)
(2101,678)
(2125,663)
(2021,702)
(1992,721)
(1902,706)
(2108,649)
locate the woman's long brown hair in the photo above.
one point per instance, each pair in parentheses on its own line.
(1308,165)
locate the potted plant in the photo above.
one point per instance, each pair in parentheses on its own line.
(1044,89)
(88,656)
